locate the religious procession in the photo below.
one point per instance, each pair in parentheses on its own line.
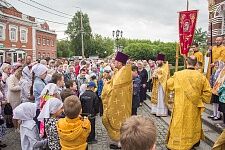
(110,93)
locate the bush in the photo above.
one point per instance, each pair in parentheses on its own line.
(141,51)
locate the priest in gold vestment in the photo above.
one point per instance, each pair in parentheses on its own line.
(191,90)
(218,53)
(159,97)
(117,99)
(199,56)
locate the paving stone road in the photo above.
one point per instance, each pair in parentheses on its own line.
(12,138)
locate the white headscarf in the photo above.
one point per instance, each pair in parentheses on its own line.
(83,88)
(27,73)
(4,66)
(108,69)
(51,107)
(39,69)
(25,111)
(51,88)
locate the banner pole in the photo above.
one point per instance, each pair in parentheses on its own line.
(211,41)
(187,5)
(177,56)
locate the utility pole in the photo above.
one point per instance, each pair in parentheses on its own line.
(82,34)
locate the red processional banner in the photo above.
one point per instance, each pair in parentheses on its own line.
(187,23)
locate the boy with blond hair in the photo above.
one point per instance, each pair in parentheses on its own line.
(141,128)
(73,130)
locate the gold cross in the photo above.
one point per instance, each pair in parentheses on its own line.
(118,113)
(122,93)
(116,101)
(113,120)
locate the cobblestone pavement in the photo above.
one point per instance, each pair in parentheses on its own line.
(13,141)
(104,141)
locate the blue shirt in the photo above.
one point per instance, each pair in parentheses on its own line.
(38,86)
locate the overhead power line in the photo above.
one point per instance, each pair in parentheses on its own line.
(43,9)
(42,18)
(51,21)
(50,8)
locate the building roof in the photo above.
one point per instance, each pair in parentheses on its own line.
(3,3)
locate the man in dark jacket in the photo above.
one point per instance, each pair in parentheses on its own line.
(90,107)
(136,90)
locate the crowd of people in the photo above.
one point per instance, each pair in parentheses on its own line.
(53,103)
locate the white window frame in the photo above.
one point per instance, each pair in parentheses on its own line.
(26,34)
(47,42)
(39,41)
(3,32)
(52,42)
(223,23)
(16,33)
(44,41)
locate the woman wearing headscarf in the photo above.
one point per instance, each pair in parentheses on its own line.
(51,90)
(2,123)
(26,83)
(6,69)
(29,134)
(14,89)
(50,115)
(39,72)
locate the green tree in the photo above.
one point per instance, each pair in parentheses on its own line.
(101,47)
(201,38)
(63,48)
(149,50)
(74,31)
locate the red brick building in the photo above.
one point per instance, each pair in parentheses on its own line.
(22,35)
(217,16)
(45,41)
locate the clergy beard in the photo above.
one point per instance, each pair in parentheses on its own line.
(160,65)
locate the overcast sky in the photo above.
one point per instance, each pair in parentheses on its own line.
(138,19)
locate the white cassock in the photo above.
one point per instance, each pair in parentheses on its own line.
(160,109)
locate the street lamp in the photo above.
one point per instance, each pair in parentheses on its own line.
(118,34)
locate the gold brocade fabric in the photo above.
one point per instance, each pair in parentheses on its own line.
(161,76)
(191,90)
(199,56)
(220,142)
(200,59)
(117,101)
(218,53)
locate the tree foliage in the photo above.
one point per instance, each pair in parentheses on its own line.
(74,31)
(201,38)
(63,48)
(149,50)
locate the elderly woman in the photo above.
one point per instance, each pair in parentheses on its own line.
(39,75)
(26,83)
(6,69)
(2,124)
(143,74)
(14,89)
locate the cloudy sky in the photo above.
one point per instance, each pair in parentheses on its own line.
(142,19)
